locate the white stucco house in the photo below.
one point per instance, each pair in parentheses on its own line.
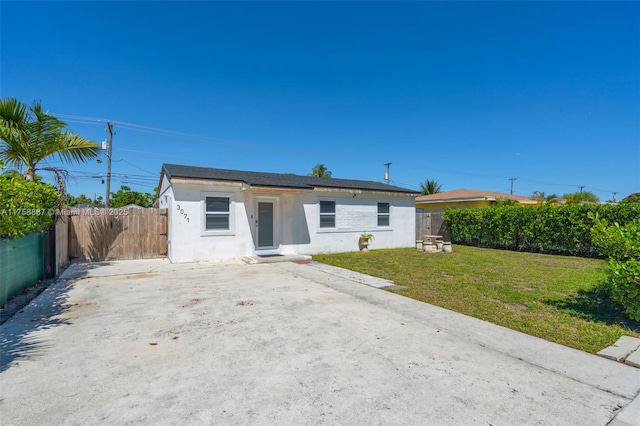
(218,213)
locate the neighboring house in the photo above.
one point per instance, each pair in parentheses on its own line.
(217,213)
(465,199)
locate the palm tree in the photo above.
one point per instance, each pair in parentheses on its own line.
(541,197)
(320,170)
(430,187)
(29,135)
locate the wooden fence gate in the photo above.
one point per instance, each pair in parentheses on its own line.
(117,234)
(431,224)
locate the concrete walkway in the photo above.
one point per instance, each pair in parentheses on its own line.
(148,342)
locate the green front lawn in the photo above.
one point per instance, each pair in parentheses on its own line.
(561,299)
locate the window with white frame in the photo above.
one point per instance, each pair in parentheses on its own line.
(217,211)
(384,213)
(327,214)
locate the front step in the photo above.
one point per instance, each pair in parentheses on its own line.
(275,258)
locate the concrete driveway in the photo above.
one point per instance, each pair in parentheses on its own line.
(148,342)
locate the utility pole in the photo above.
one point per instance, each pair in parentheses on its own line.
(614,196)
(109,150)
(581,187)
(387,175)
(512,179)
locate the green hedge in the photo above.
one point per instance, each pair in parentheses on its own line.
(548,228)
(25,206)
(622,245)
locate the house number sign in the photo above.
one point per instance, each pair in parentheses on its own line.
(186,216)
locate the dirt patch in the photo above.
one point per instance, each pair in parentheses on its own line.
(80,309)
(578,263)
(192,302)
(175,332)
(517,306)
(142,275)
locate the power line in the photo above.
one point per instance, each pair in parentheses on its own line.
(137,127)
(139,168)
(150,177)
(202,138)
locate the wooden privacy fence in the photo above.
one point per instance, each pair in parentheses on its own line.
(117,234)
(431,224)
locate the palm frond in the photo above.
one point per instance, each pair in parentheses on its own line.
(73,148)
(30,135)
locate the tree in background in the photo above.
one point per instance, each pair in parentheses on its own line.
(542,197)
(320,170)
(501,202)
(631,198)
(71,201)
(430,187)
(126,196)
(29,135)
(581,197)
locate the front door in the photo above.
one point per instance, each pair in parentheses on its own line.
(266,224)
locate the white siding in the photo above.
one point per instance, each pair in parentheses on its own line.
(298,229)
(187,242)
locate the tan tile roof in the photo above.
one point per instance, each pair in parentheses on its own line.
(471,195)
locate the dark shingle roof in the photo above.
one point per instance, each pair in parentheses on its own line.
(277,180)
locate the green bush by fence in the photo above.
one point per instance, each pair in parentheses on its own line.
(622,245)
(21,263)
(564,229)
(25,206)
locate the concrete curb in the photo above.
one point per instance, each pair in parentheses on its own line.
(621,349)
(629,415)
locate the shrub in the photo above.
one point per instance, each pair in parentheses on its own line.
(622,245)
(632,198)
(24,206)
(547,228)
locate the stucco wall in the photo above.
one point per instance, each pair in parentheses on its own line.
(297,227)
(353,217)
(187,242)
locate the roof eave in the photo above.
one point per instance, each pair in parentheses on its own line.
(461,200)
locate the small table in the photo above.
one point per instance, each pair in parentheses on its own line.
(432,243)
(430,239)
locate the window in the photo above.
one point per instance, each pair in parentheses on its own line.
(217,214)
(383,214)
(327,214)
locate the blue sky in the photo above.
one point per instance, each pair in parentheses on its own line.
(467,93)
